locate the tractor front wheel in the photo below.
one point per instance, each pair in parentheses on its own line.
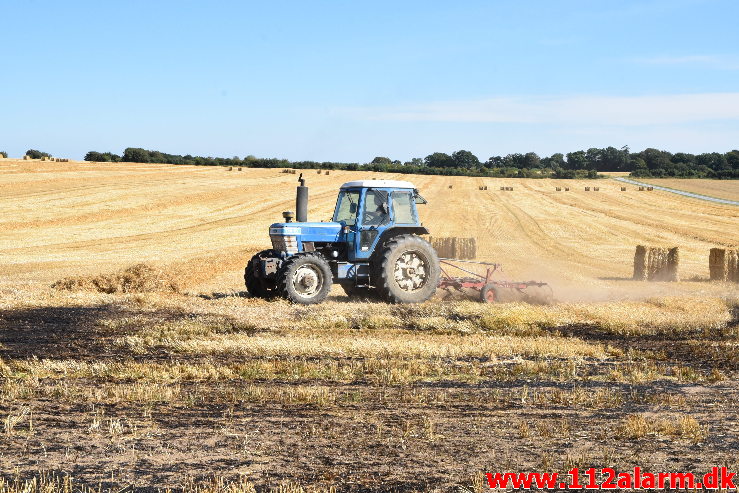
(304,278)
(408,271)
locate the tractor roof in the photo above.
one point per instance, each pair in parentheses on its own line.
(378,184)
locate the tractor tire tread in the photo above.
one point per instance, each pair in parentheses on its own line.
(283,288)
(254,285)
(387,288)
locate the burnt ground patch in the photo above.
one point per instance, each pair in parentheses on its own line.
(147,434)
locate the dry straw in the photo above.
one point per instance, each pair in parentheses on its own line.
(723,264)
(673,263)
(733,274)
(640,263)
(139,278)
(656,264)
(453,247)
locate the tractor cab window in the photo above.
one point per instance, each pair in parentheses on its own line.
(375,208)
(346,207)
(403,208)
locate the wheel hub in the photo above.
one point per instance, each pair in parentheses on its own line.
(410,271)
(307,280)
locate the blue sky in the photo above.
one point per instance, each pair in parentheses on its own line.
(347,81)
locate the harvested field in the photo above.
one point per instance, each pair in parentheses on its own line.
(97,218)
(162,390)
(148,367)
(723,189)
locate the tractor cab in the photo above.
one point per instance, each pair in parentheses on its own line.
(368,208)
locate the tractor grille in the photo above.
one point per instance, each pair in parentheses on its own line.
(287,244)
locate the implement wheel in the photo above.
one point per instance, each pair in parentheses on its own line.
(489,293)
(304,278)
(408,271)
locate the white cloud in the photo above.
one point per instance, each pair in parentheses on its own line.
(566,110)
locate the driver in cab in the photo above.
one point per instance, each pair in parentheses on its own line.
(375,209)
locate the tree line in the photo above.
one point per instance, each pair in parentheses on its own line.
(579,164)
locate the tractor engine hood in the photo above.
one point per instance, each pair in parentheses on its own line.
(289,237)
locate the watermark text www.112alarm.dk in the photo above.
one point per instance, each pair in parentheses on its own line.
(608,478)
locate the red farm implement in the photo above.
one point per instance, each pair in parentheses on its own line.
(491,290)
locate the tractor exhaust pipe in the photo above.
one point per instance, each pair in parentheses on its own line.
(301,201)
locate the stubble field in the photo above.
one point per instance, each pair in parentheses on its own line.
(722,189)
(206,389)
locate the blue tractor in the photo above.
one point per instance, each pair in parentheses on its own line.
(372,248)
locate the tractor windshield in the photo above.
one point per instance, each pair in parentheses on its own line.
(346,207)
(403,208)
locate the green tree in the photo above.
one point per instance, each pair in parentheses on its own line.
(439,160)
(135,155)
(577,160)
(381,160)
(656,160)
(531,160)
(612,159)
(556,160)
(3,154)
(732,159)
(34,154)
(639,167)
(515,160)
(95,156)
(465,159)
(102,157)
(416,162)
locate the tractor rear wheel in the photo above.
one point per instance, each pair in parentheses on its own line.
(256,286)
(304,278)
(408,270)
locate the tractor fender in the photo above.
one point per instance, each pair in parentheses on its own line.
(394,231)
